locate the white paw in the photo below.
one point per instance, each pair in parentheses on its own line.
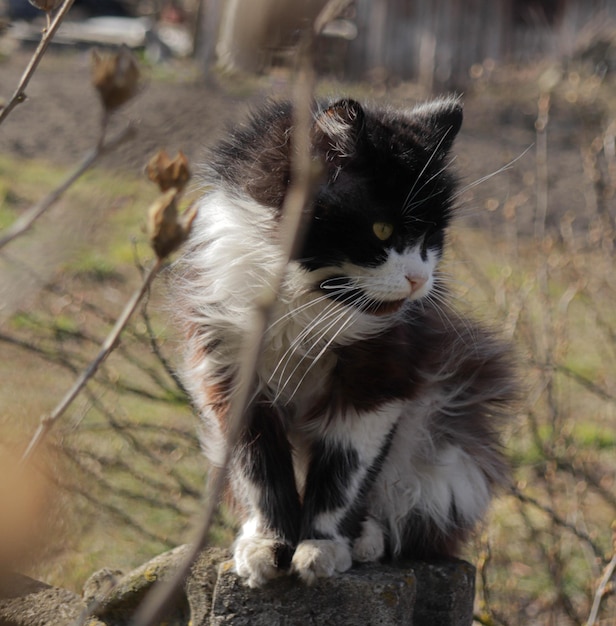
(370,545)
(320,558)
(259,558)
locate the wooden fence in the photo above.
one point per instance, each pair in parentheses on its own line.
(433,41)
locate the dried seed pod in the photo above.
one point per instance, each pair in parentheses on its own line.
(168,173)
(115,76)
(46,5)
(166,229)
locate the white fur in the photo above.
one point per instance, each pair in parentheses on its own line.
(253,554)
(320,558)
(365,433)
(424,478)
(234,251)
(390,281)
(370,545)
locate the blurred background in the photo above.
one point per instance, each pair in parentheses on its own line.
(121,478)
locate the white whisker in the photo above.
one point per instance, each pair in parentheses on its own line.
(425,167)
(305,332)
(483,179)
(351,318)
(330,310)
(316,342)
(408,204)
(298,309)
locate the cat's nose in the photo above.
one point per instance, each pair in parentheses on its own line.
(415,282)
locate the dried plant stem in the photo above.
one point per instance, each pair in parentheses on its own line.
(293,211)
(601,591)
(558,520)
(20,93)
(541,123)
(25,222)
(47,422)
(156,350)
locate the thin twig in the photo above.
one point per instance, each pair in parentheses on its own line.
(542,196)
(586,383)
(553,566)
(140,447)
(156,350)
(558,520)
(168,433)
(25,222)
(601,591)
(296,199)
(488,616)
(114,511)
(20,93)
(47,422)
(76,455)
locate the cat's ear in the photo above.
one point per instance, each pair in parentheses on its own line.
(338,130)
(440,121)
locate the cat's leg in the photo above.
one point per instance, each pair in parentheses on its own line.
(344,463)
(262,473)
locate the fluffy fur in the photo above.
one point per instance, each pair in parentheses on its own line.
(374,427)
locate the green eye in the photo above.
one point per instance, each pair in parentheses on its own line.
(383,230)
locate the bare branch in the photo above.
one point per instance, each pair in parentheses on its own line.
(25,222)
(558,520)
(20,93)
(47,421)
(293,211)
(601,591)
(156,350)
(114,511)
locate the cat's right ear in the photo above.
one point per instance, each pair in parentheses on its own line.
(338,130)
(440,121)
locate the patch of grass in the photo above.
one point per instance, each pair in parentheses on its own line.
(594,436)
(119,200)
(93,267)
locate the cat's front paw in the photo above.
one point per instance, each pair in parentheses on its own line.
(370,545)
(258,558)
(320,558)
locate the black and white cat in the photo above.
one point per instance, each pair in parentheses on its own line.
(374,429)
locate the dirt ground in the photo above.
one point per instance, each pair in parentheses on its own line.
(60,119)
(177,110)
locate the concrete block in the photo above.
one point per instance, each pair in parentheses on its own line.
(364,595)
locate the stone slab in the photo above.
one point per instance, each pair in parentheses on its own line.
(367,595)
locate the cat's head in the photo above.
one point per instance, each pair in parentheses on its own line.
(379,218)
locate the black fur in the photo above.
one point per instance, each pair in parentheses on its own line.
(312,469)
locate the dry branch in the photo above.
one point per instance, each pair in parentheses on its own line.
(19,95)
(25,222)
(557,520)
(47,422)
(601,592)
(303,178)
